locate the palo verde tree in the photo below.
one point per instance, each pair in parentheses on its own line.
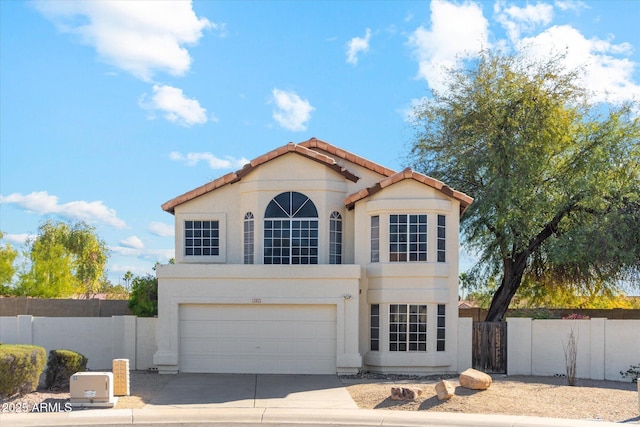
(555,178)
(8,256)
(64,259)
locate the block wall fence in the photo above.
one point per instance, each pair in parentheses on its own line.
(534,347)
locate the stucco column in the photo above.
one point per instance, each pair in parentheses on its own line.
(519,346)
(24,333)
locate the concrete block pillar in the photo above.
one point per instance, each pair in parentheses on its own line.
(123,338)
(597,348)
(465,343)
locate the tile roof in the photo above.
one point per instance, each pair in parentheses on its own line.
(464,200)
(308,149)
(343,154)
(236,176)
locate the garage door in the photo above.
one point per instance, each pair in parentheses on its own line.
(269,339)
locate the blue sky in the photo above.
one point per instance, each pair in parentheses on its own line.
(109,109)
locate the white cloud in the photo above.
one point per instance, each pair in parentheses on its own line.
(161,229)
(153,255)
(445,44)
(292,112)
(176,107)
(140,37)
(517,20)
(357,45)
(607,75)
(42,203)
(576,5)
(192,159)
(19,239)
(132,242)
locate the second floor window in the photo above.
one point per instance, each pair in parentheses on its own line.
(291,230)
(407,238)
(248,238)
(201,238)
(335,238)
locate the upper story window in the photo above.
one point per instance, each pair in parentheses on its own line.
(291,230)
(442,242)
(248,238)
(335,238)
(407,238)
(375,238)
(201,238)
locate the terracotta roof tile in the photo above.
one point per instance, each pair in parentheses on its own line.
(407,173)
(343,154)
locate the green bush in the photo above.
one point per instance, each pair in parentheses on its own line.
(61,365)
(143,300)
(632,373)
(20,369)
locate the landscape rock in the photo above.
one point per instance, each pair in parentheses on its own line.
(445,390)
(405,393)
(475,380)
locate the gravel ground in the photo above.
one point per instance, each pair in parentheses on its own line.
(515,395)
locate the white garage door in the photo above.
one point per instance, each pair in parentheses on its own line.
(266,339)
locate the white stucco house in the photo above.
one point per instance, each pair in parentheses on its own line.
(311,259)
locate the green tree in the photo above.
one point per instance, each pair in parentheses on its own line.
(555,178)
(143,300)
(8,256)
(65,259)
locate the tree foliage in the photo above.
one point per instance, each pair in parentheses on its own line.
(143,300)
(8,257)
(65,259)
(555,179)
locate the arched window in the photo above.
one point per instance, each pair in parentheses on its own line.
(248,238)
(335,238)
(291,230)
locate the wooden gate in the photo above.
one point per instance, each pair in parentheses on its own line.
(490,347)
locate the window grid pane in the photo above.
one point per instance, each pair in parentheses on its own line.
(407,238)
(442,238)
(290,239)
(201,238)
(440,339)
(248,238)
(407,327)
(375,327)
(335,238)
(375,239)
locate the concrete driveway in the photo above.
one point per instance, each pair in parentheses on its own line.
(254,391)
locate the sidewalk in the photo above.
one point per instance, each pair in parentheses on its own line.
(283,416)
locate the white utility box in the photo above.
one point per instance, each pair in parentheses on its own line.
(92,389)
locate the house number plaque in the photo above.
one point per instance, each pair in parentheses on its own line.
(256,300)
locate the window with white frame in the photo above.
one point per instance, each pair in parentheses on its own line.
(335,238)
(291,230)
(440,334)
(374,331)
(375,238)
(442,242)
(407,238)
(201,238)
(408,327)
(248,238)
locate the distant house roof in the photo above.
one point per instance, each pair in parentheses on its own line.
(308,149)
(464,200)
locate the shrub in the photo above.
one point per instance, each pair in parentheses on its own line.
(20,369)
(633,372)
(576,316)
(61,365)
(143,300)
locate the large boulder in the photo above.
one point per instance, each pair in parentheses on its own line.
(445,390)
(475,380)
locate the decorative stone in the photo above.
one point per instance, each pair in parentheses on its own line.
(396,393)
(405,393)
(475,380)
(445,390)
(411,393)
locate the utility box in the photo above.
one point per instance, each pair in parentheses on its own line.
(120,369)
(94,389)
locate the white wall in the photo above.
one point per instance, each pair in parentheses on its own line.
(604,347)
(100,339)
